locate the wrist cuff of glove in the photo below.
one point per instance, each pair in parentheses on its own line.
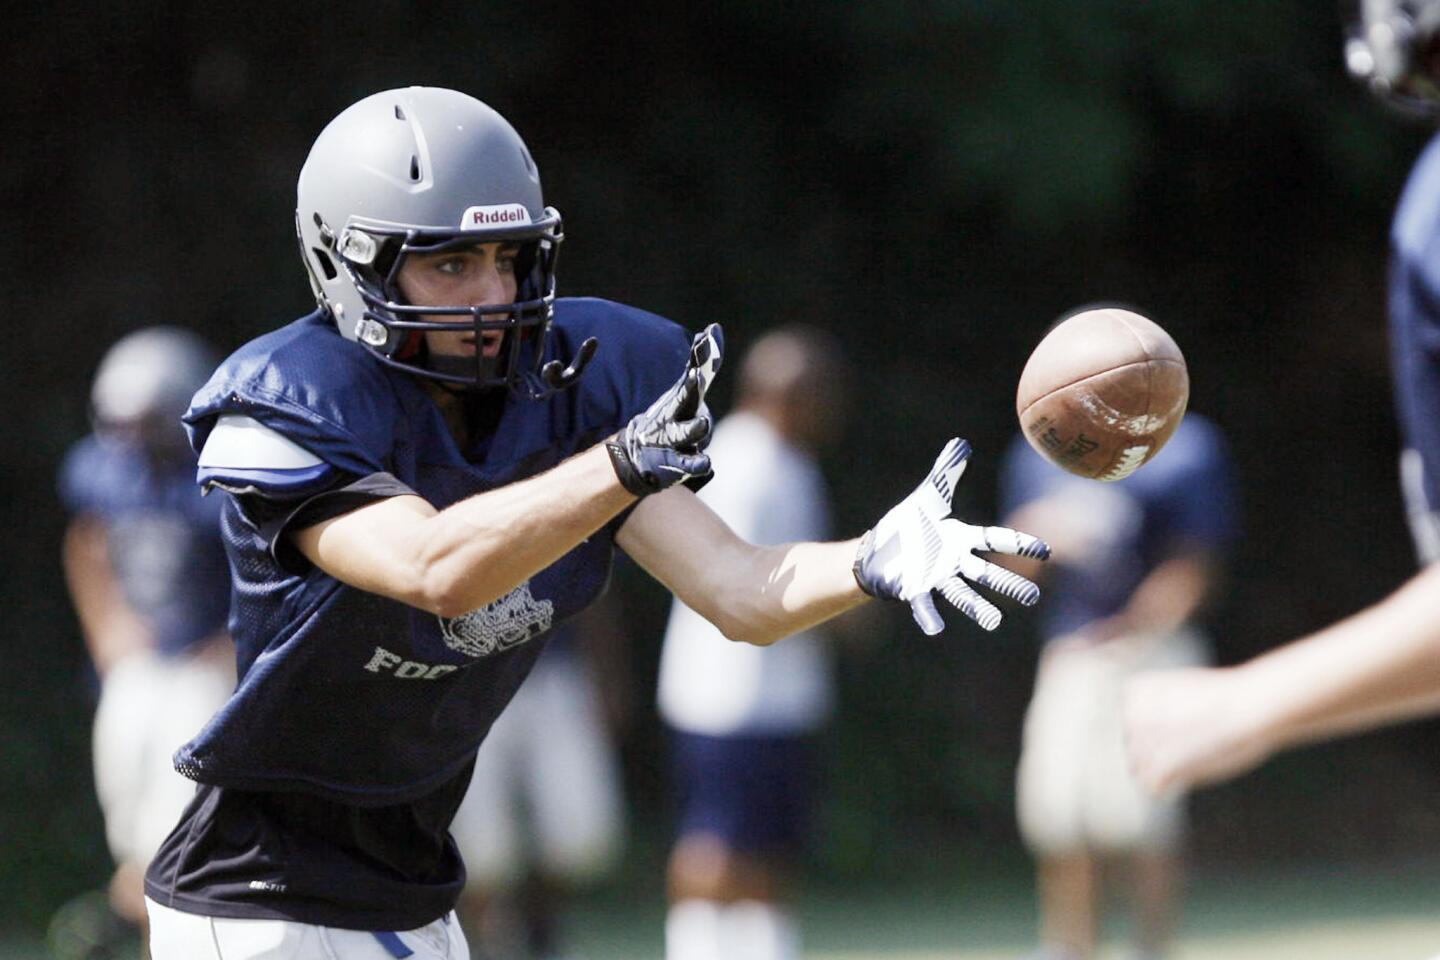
(867,543)
(630,477)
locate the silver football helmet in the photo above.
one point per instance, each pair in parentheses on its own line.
(143,385)
(1393,47)
(419,170)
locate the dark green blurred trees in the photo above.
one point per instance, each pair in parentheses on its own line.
(936,181)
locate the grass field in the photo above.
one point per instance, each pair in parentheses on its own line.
(1333,914)
(1371,914)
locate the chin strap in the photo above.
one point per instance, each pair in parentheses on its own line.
(556,376)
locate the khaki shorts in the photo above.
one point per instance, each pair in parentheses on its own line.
(149,706)
(1074,790)
(546,788)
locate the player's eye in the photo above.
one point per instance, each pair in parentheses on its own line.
(453,266)
(505,263)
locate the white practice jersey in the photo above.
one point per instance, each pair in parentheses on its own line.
(768,492)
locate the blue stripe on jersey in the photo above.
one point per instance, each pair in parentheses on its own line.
(280,479)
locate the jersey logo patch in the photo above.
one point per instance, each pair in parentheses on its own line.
(499,625)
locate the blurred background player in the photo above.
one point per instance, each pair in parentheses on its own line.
(147,575)
(743,719)
(1382,664)
(544,814)
(1133,562)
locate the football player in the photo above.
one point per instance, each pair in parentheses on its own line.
(1134,562)
(544,816)
(147,576)
(421,478)
(744,720)
(1382,664)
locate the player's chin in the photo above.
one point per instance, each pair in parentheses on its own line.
(454,352)
(463,346)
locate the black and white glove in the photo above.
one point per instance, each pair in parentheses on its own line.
(918,548)
(666,444)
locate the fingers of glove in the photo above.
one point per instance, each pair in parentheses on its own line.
(1005,540)
(665,405)
(706,352)
(970,603)
(929,619)
(675,467)
(1007,583)
(945,474)
(691,434)
(689,395)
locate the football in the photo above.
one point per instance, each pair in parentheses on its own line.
(1102,392)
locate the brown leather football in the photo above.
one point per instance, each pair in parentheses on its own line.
(1102,392)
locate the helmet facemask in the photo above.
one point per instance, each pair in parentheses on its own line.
(393,329)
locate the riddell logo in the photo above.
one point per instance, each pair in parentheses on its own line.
(495,215)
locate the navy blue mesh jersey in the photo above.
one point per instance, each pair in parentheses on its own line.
(1187,494)
(330,777)
(162,538)
(1415,345)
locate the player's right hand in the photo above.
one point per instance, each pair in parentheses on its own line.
(665,444)
(1192,726)
(918,549)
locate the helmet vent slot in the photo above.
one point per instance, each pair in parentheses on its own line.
(415,168)
(322,260)
(399,113)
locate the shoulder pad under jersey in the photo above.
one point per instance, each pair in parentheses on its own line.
(241,451)
(313,388)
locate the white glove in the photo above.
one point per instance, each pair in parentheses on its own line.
(918,548)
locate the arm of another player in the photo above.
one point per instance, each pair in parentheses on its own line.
(1168,596)
(761,594)
(1382,665)
(112,629)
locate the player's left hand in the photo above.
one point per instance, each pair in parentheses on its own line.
(918,548)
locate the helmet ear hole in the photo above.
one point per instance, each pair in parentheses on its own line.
(322,260)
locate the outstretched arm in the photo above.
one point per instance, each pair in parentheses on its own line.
(455,560)
(761,594)
(1379,666)
(752,594)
